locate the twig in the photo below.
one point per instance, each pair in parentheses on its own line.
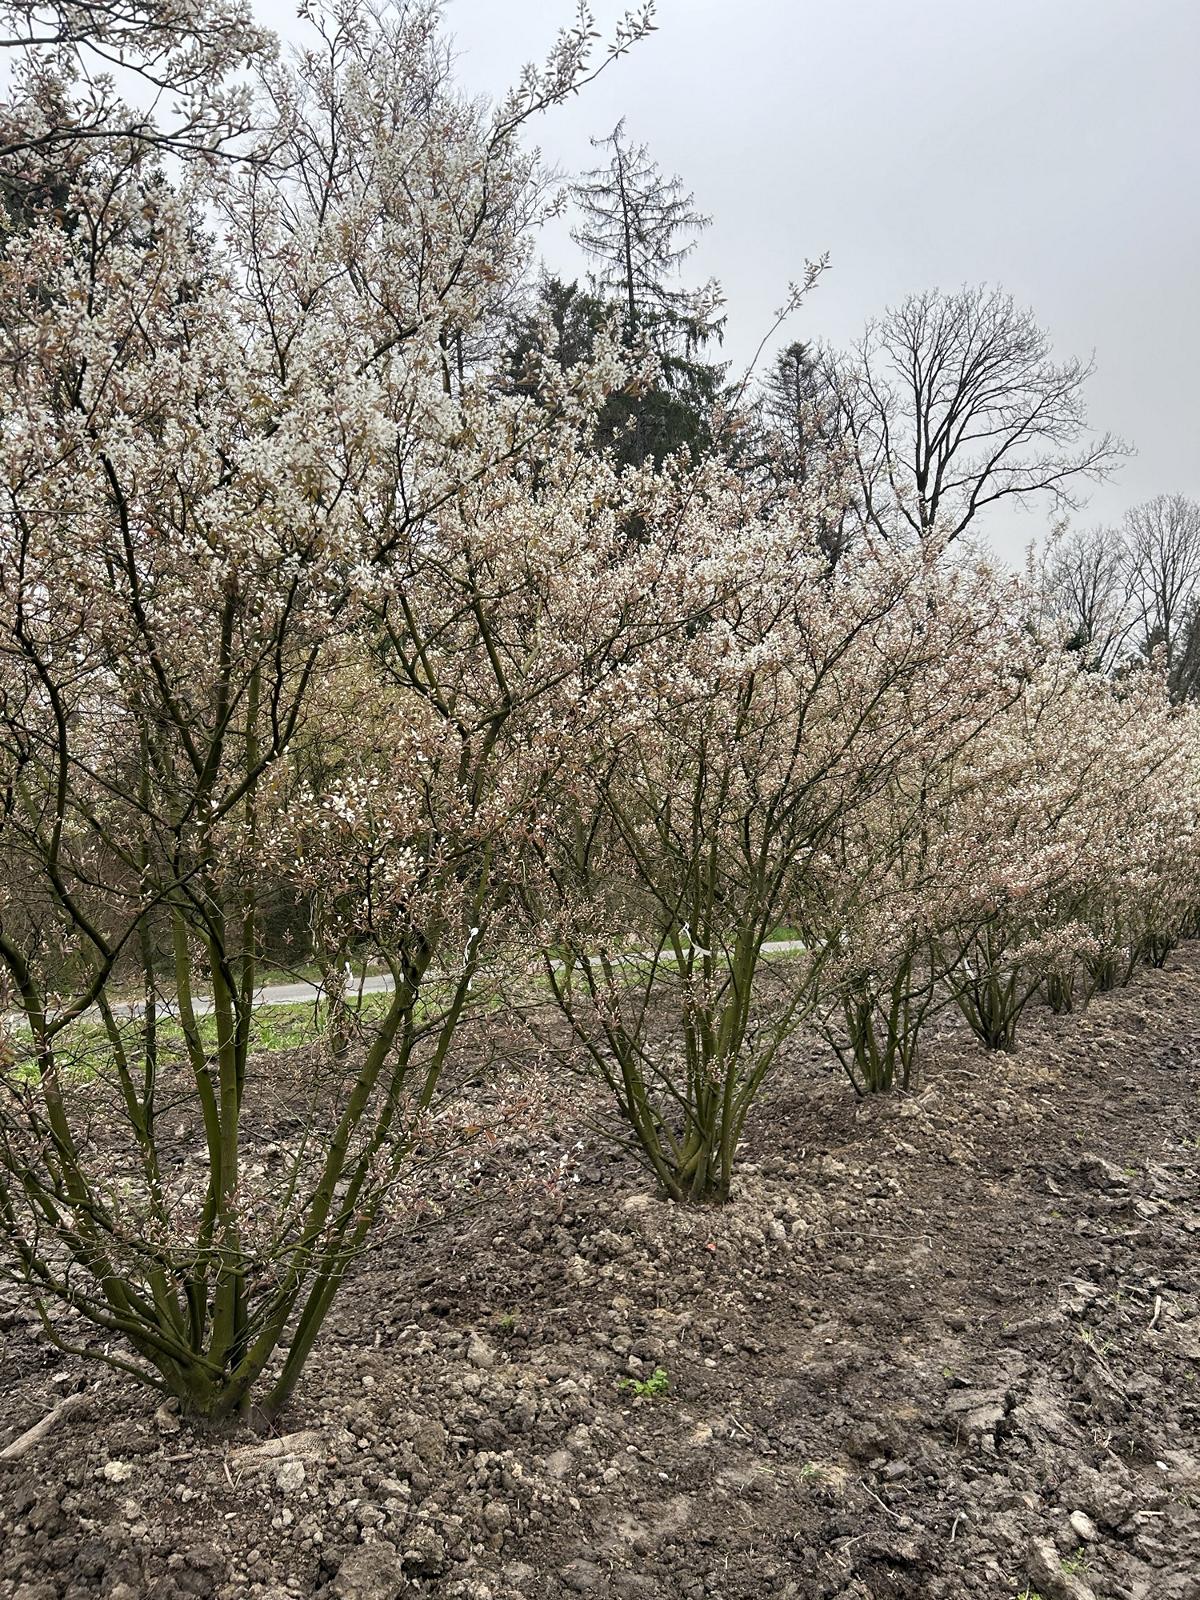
(881,1504)
(1157,1312)
(20,1446)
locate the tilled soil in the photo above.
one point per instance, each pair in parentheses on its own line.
(940,1344)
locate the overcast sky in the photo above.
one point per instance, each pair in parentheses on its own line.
(1050,145)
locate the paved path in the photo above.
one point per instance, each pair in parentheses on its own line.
(381,983)
(304,993)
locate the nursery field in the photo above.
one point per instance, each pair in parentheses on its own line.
(599,996)
(941,1343)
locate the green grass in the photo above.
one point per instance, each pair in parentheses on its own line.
(85,1050)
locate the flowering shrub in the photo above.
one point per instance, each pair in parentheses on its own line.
(890,906)
(1076,843)
(1053,845)
(250,485)
(767,774)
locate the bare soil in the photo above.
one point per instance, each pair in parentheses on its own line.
(940,1344)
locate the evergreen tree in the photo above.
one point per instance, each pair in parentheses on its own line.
(638,227)
(798,440)
(576,318)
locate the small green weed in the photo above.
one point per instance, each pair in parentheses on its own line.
(1100,1346)
(648,1388)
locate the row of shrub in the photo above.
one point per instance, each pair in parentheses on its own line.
(302,606)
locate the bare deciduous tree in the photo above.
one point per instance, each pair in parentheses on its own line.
(639,227)
(1162,542)
(1086,584)
(955,402)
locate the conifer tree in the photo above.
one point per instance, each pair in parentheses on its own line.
(638,227)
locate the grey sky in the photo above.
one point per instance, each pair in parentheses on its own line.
(1050,145)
